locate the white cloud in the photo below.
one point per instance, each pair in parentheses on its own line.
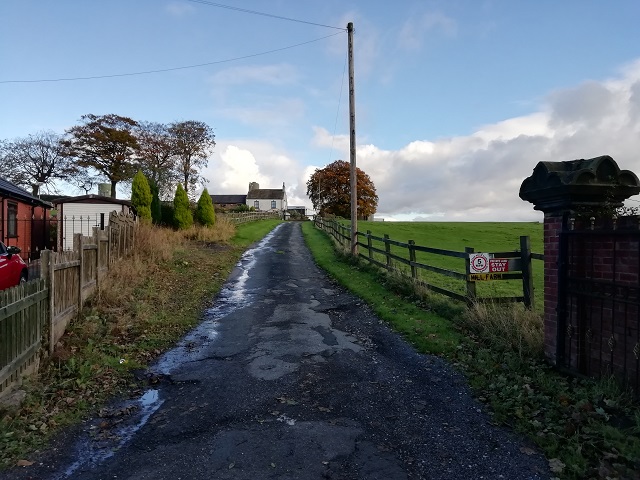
(414,30)
(277,75)
(477,177)
(269,113)
(179,9)
(238,162)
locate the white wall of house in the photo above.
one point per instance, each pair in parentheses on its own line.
(79,217)
(266,205)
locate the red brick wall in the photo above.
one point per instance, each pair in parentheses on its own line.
(602,300)
(552,229)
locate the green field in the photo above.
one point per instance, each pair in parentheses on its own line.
(484,237)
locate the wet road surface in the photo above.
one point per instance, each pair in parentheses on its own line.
(290,377)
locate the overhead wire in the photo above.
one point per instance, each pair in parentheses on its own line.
(162,70)
(254,12)
(335,126)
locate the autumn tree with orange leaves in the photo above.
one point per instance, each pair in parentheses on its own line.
(330,191)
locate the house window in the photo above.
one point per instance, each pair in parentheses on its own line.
(256,205)
(273,204)
(12,220)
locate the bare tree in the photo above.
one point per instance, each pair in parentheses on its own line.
(194,142)
(158,159)
(37,160)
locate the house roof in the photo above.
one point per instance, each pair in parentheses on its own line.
(90,199)
(8,189)
(226,199)
(266,194)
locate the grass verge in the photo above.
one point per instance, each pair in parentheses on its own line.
(143,309)
(586,428)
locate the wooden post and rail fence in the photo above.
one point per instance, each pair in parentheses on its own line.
(245,217)
(35,314)
(510,265)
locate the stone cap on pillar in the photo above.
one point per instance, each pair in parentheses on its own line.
(563,186)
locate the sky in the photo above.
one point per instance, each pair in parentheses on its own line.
(456,101)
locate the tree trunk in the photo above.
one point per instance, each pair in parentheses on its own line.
(113,188)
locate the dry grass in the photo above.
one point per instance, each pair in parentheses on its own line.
(119,299)
(508,327)
(222,231)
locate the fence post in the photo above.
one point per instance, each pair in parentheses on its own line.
(527,274)
(471,286)
(109,246)
(79,241)
(412,258)
(369,244)
(47,273)
(387,249)
(96,237)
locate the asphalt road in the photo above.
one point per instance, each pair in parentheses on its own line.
(291,377)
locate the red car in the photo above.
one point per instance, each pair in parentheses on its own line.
(13,270)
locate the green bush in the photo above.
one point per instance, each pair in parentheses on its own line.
(141,196)
(182,217)
(205,213)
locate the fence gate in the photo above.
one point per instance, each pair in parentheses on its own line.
(599,300)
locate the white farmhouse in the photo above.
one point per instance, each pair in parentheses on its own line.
(80,214)
(267,199)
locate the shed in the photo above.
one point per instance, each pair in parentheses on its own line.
(80,214)
(23,220)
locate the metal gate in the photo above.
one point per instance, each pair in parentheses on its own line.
(599,300)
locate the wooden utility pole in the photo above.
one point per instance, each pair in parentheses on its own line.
(352,149)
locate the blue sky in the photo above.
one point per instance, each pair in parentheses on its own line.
(456,100)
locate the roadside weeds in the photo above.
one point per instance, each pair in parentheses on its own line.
(586,428)
(143,308)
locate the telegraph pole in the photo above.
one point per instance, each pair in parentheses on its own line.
(352,148)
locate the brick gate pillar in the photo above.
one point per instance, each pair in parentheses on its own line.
(559,189)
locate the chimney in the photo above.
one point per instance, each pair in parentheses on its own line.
(254,186)
(283,187)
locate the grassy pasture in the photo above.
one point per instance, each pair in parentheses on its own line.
(485,237)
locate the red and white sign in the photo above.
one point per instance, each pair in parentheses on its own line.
(498,265)
(479,262)
(485,263)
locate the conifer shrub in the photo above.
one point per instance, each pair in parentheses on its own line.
(182,217)
(141,196)
(205,213)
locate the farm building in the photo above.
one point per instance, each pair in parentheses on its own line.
(225,202)
(261,199)
(267,199)
(80,214)
(23,220)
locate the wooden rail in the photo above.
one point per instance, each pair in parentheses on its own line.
(38,312)
(245,217)
(377,250)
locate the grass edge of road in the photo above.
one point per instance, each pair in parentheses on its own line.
(123,330)
(586,428)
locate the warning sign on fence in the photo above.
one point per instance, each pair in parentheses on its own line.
(480,277)
(484,263)
(479,262)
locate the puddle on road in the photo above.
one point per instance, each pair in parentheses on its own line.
(92,451)
(233,296)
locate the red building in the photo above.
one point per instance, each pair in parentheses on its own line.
(24,220)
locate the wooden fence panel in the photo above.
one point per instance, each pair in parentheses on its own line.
(23,311)
(42,308)
(404,255)
(244,217)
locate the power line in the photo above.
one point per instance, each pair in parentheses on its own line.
(335,126)
(162,70)
(244,10)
